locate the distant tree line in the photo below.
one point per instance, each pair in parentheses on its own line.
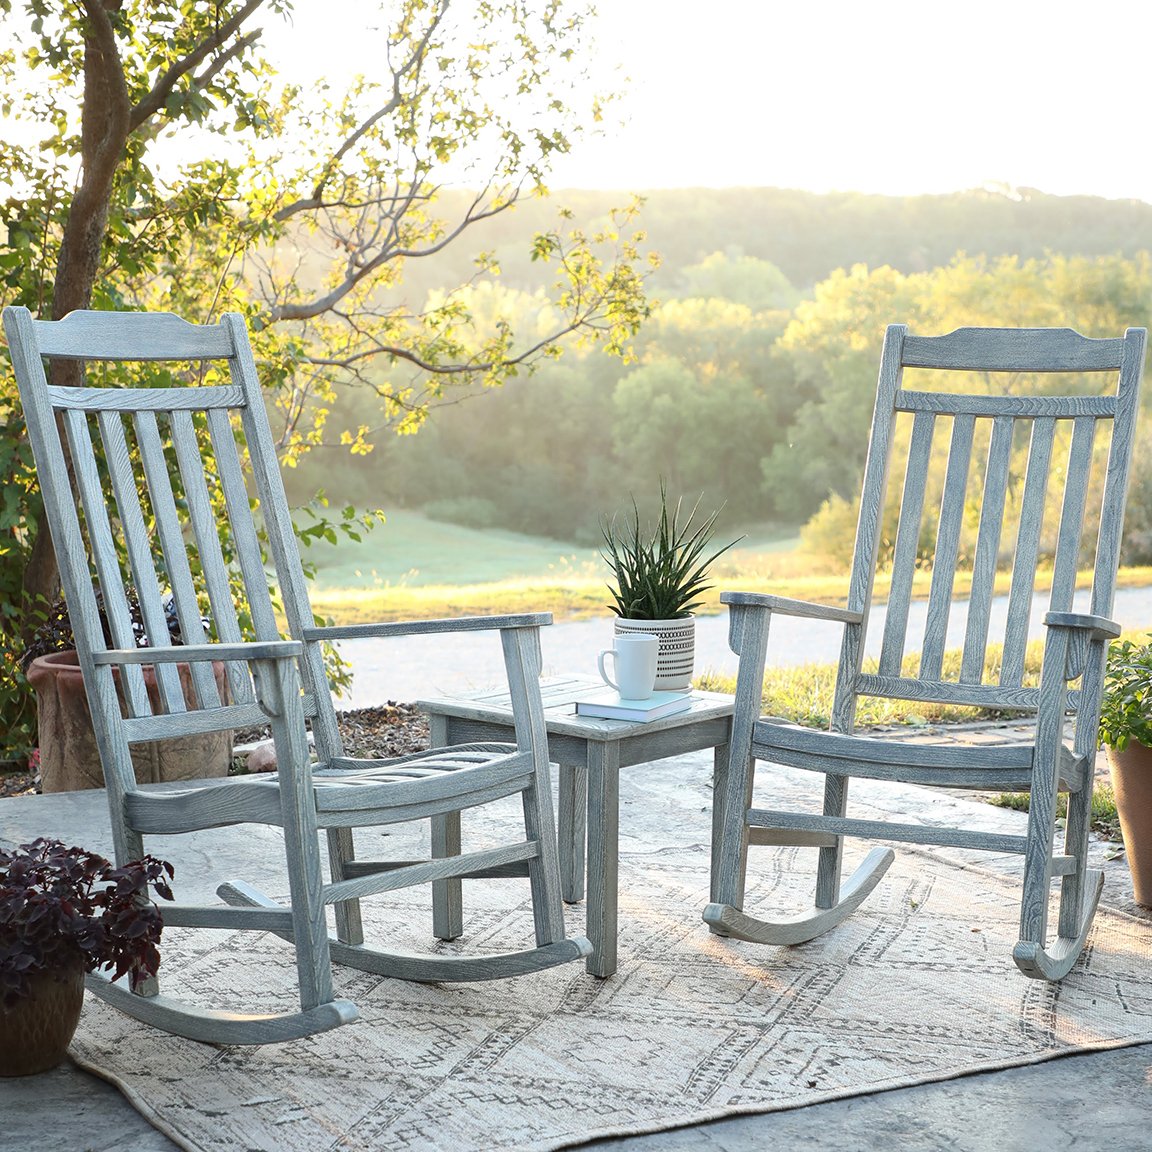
(809,235)
(740,389)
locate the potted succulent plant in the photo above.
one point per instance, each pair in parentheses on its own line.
(1126,733)
(68,756)
(63,912)
(660,574)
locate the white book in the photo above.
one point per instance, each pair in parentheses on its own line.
(612,706)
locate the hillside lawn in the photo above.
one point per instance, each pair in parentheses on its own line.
(412,567)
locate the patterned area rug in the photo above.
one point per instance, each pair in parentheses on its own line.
(918,985)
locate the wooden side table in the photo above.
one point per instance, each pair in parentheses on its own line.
(590,754)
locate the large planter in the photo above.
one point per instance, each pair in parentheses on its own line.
(69,759)
(1132,782)
(677,648)
(36,1032)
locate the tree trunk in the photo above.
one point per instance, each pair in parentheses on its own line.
(104,130)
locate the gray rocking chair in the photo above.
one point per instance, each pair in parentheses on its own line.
(134,501)
(1020,471)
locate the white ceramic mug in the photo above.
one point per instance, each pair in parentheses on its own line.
(634,660)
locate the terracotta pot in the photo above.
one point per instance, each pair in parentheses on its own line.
(35,1034)
(69,759)
(1132,782)
(677,648)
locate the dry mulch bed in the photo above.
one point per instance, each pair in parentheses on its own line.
(369,733)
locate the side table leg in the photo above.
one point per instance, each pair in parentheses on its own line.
(572,829)
(603,854)
(447,896)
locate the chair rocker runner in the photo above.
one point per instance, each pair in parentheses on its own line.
(136,482)
(1020,472)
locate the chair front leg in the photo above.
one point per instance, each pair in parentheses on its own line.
(748,638)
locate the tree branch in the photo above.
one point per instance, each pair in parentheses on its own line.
(414,63)
(358,270)
(153,101)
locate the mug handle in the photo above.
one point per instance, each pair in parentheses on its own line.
(600,664)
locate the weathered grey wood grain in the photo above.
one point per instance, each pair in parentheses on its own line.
(952,508)
(961,404)
(907,545)
(1075,646)
(1027,550)
(1072,516)
(987,551)
(88,335)
(798,929)
(1014,350)
(589,808)
(146,511)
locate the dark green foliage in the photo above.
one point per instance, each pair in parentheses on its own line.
(1126,710)
(60,904)
(659,576)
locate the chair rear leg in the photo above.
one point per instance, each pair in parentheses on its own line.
(447,895)
(341,851)
(831,860)
(129,845)
(544,868)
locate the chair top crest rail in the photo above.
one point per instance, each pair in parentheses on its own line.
(131,336)
(1013,350)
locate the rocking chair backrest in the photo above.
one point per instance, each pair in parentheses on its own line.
(1021,471)
(137,484)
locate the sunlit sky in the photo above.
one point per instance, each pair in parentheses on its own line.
(891,96)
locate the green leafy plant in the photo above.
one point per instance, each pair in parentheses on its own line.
(660,575)
(1126,710)
(60,905)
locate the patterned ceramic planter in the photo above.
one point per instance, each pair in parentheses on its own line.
(35,1033)
(69,758)
(677,648)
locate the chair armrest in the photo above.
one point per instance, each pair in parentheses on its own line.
(788,607)
(1100,627)
(192,653)
(412,627)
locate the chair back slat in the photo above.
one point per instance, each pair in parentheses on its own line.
(177,568)
(103,558)
(952,505)
(1027,552)
(245,540)
(126,486)
(1030,481)
(907,543)
(1066,563)
(987,550)
(189,443)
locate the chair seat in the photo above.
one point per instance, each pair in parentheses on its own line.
(1005,767)
(411,787)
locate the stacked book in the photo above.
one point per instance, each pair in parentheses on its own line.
(609,705)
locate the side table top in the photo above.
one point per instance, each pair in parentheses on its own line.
(560,694)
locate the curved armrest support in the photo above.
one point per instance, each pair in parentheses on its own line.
(193,653)
(789,607)
(1099,627)
(413,627)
